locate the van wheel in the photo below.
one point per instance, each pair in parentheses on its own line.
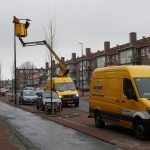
(76,104)
(98,120)
(139,129)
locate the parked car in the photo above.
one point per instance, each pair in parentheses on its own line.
(3,91)
(27,96)
(44,99)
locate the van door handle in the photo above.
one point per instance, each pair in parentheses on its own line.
(122,101)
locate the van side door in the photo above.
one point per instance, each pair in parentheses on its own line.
(128,104)
(111,104)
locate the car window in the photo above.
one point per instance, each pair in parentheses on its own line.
(127,86)
(48,95)
(28,93)
(54,95)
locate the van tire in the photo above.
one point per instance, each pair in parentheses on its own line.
(76,104)
(98,120)
(139,129)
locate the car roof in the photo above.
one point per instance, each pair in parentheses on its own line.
(28,90)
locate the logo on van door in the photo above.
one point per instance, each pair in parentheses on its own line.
(98,86)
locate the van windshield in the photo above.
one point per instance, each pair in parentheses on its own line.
(143,86)
(65,86)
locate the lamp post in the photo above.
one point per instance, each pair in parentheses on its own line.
(15,82)
(82,66)
(17,21)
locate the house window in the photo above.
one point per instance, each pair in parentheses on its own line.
(84,65)
(101,61)
(125,57)
(57,70)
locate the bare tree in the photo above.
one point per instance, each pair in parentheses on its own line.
(50,32)
(27,65)
(50,38)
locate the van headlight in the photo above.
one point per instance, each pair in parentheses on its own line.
(77,95)
(60,96)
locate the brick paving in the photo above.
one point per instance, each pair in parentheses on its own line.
(6,142)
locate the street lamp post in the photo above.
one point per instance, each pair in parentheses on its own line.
(15,81)
(17,21)
(82,66)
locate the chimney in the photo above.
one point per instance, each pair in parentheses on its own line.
(74,57)
(132,38)
(47,65)
(63,59)
(106,46)
(88,52)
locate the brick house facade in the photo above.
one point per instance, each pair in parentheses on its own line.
(135,52)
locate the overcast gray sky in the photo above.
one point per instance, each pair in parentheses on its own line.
(88,21)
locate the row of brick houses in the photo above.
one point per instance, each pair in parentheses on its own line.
(135,52)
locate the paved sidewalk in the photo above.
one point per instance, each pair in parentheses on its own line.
(6,135)
(6,142)
(79,120)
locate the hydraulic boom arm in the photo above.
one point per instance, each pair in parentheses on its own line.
(64,70)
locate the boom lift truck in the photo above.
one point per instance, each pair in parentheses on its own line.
(63,85)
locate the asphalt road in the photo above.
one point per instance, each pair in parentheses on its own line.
(84,106)
(35,132)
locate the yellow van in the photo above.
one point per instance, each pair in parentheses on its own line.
(65,89)
(121,95)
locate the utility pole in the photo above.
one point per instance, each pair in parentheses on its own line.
(15,83)
(20,32)
(82,67)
